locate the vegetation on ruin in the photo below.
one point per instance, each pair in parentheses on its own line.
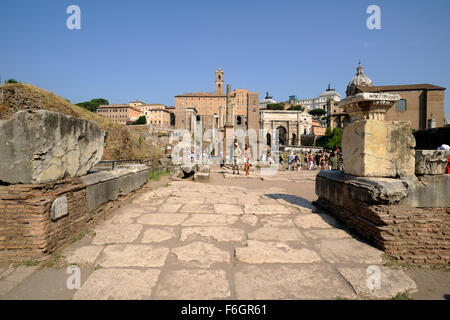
(275,106)
(331,138)
(297,107)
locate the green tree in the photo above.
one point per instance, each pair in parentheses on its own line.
(93,104)
(275,106)
(317,112)
(331,138)
(141,120)
(12,81)
(297,107)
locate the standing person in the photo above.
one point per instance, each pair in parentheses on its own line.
(247,155)
(317,161)
(297,161)
(236,154)
(334,161)
(311,162)
(291,161)
(447,170)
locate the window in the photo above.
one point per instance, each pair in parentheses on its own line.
(401,105)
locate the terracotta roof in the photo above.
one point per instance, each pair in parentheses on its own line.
(406,87)
(201,94)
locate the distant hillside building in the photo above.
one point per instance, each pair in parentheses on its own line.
(156,114)
(320,102)
(119,113)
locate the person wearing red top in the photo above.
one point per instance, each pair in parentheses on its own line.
(447,170)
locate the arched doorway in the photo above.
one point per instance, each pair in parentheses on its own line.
(294,139)
(198,118)
(238,120)
(269,139)
(282,135)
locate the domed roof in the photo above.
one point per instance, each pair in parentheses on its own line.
(360,80)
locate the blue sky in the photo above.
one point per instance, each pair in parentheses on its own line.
(153,50)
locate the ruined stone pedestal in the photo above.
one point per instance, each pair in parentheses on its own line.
(374,148)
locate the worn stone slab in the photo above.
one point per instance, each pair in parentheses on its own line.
(124,218)
(315,221)
(215,233)
(6,286)
(348,251)
(116,233)
(391,281)
(257,252)
(186,200)
(84,255)
(276,234)
(201,254)
(266,209)
(196,208)
(251,220)
(277,221)
(326,234)
(118,284)
(162,219)
(309,281)
(20,273)
(157,235)
(169,208)
(232,209)
(133,256)
(210,220)
(193,284)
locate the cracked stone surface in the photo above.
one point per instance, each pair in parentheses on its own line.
(200,241)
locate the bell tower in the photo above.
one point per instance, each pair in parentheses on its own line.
(219,81)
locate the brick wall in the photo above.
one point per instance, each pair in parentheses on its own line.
(26,228)
(414,235)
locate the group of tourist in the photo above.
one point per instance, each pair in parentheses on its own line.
(323,160)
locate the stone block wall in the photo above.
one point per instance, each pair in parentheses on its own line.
(410,234)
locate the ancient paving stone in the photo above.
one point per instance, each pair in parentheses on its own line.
(228,209)
(249,199)
(20,273)
(118,284)
(157,235)
(249,219)
(184,200)
(169,208)
(326,234)
(391,281)
(308,281)
(116,233)
(194,284)
(201,254)
(123,218)
(216,233)
(162,219)
(276,234)
(216,199)
(348,251)
(274,252)
(133,256)
(277,221)
(210,220)
(196,208)
(84,255)
(315,221)
(266,209)
(6,286)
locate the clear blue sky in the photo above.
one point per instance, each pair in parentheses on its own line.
(153,50)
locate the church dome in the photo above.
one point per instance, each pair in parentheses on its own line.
(360,80)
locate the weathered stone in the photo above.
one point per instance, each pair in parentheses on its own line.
(84,255)
(348,251)
(266,209)
(201,254)
(210,220)
(196,208)
(308,281)
(391,282)
(6,286)
(169,208)
(118,284)
(258,252)
(157,235)
(44,146)
(249,219)
(431,162)
(277,221)
(373,148)
(306,221)
(20,273)
(60,208)
(194,285)
(232,209)
(116,233)
(133,256)
(276,234)
(125,218)
(217,233)
(162,219)
(326,234)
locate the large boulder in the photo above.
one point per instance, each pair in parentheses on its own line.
(374,148)
(44,146)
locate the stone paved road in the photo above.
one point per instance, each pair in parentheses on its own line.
(202,241)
